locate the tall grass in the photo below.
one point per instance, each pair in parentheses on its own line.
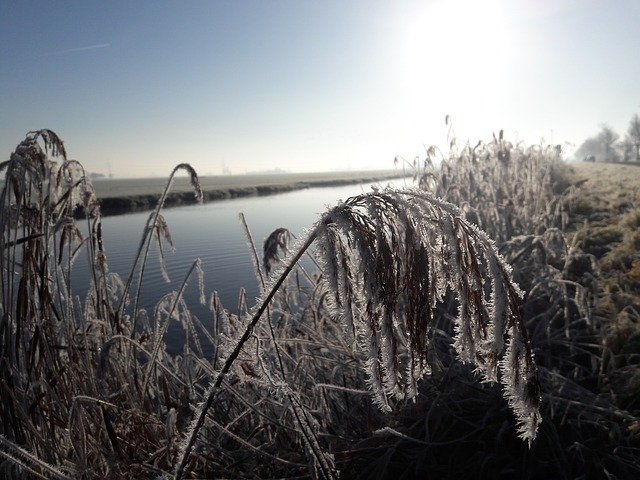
(371,364)
(515,192)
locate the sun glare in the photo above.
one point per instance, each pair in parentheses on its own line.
(455,54)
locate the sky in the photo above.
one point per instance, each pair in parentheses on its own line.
(134,88)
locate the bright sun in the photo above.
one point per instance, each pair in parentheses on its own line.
(456,53)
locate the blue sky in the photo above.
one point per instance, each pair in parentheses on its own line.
(308,86)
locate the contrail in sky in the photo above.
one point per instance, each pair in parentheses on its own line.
(80,49)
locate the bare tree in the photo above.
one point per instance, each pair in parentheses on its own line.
(608,139)
(602,147)
(590,150)
(632,140)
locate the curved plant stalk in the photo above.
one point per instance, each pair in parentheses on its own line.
(388,257)
(215,385)
(278,240)
(147,236)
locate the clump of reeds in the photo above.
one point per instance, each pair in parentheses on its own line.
(90,390)
(300,384)
(387,258)
(506,189)
(67,361)
(516,194)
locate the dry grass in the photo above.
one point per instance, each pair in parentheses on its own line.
(609,230)
(586,411)
(369,366)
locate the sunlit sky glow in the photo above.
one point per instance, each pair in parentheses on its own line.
(136,87)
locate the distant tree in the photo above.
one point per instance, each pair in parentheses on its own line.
(628,150)
(608,140)
(632,140)
(603,147)
(590,150)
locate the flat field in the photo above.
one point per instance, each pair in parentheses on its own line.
(608,187)
(605,215)
(127,187)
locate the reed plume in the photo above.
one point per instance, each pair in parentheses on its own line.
(278,240)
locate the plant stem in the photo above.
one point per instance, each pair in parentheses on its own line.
(211,393)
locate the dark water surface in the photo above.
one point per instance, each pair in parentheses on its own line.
(213,233)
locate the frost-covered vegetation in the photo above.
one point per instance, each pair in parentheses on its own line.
(418,348)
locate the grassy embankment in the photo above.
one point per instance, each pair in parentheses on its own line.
(605,214)
(139,194)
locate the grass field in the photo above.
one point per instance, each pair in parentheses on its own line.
(609,188)
(605,213)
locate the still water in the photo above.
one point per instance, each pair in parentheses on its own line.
(213,233)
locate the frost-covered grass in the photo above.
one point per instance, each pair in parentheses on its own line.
(411,350)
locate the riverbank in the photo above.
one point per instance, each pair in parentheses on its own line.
(139,194)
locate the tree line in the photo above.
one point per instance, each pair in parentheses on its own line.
(607,146)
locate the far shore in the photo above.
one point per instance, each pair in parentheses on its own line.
(118,196)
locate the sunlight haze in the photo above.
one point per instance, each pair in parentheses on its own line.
(134,88)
